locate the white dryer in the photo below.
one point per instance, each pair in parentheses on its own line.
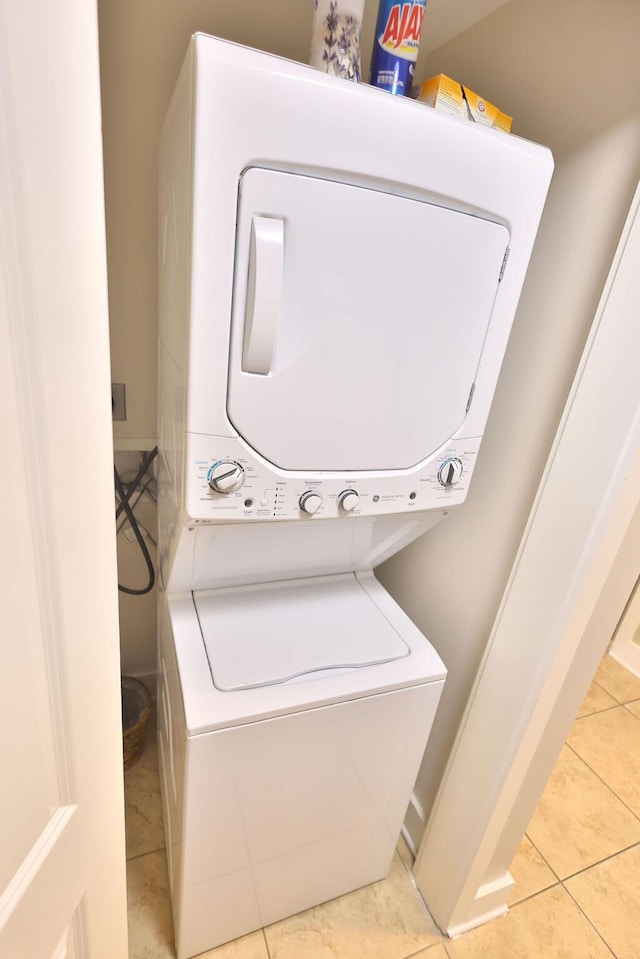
(339,273)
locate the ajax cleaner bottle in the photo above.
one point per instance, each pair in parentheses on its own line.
(395,48)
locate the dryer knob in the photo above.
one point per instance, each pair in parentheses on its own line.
(310,502)
(348,499)
(450,472)
(225,476)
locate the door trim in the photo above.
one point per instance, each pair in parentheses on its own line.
(560,587)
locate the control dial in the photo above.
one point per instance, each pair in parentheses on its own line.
(348,499)
(310,502)
(450,471)
(225,476)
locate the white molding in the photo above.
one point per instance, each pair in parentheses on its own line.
(60,952)
(630,660)
(625,648)
(414,824)
(488,903)
(33,861)
(456,931)
(570,543)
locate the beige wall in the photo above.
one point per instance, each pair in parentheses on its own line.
(142,45)
(552,66)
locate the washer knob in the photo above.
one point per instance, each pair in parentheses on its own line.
(310,502)
(450,471)
(348,499)
(225,476)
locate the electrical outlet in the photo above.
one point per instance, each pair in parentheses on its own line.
(118,401)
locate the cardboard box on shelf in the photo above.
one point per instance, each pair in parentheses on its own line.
(449,96)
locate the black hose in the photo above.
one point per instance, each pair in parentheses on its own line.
(146,463)
(124,505)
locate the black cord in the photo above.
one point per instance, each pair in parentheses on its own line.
(124,505)
(146,463)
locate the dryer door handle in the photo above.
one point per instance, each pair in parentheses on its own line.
(264,291)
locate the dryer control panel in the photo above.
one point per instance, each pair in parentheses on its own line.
(226,482)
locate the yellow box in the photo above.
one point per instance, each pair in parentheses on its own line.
(451,97)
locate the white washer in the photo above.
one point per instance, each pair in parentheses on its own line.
(287,774)
(339,270)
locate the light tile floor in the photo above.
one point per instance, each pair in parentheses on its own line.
(577,872)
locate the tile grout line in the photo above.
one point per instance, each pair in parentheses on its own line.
(597,712)
(630,703)
(606,709)
(573,900)
(599,777)
(599,862)
(425,949)
(592,924)
(266,942)
(563,879)
(620,702)
(552,885)
(537,849)
(141,855)
(604,689)
(547,864)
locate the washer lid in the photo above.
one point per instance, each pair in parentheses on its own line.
(359,319)
(277,632)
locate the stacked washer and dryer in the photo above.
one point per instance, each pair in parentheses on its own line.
(339,273)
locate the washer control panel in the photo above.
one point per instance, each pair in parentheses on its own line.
(450,471)
(310,501)
(225,476)
(226,482)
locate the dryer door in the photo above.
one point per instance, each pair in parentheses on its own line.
(358,322)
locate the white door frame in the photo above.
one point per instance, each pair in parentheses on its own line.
(562,602)
(63,892)
(625,648)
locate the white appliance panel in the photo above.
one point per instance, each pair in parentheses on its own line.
(267,494)
(216,555)
(371,321)
(263,635)
(256,110)
(208,709)
(236,110)
(284,814)
(298,794)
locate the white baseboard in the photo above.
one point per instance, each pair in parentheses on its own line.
(455,931)
(627,654)
(489,903)
(625,648)
(629,658)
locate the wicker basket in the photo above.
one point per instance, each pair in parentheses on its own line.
(136,707)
